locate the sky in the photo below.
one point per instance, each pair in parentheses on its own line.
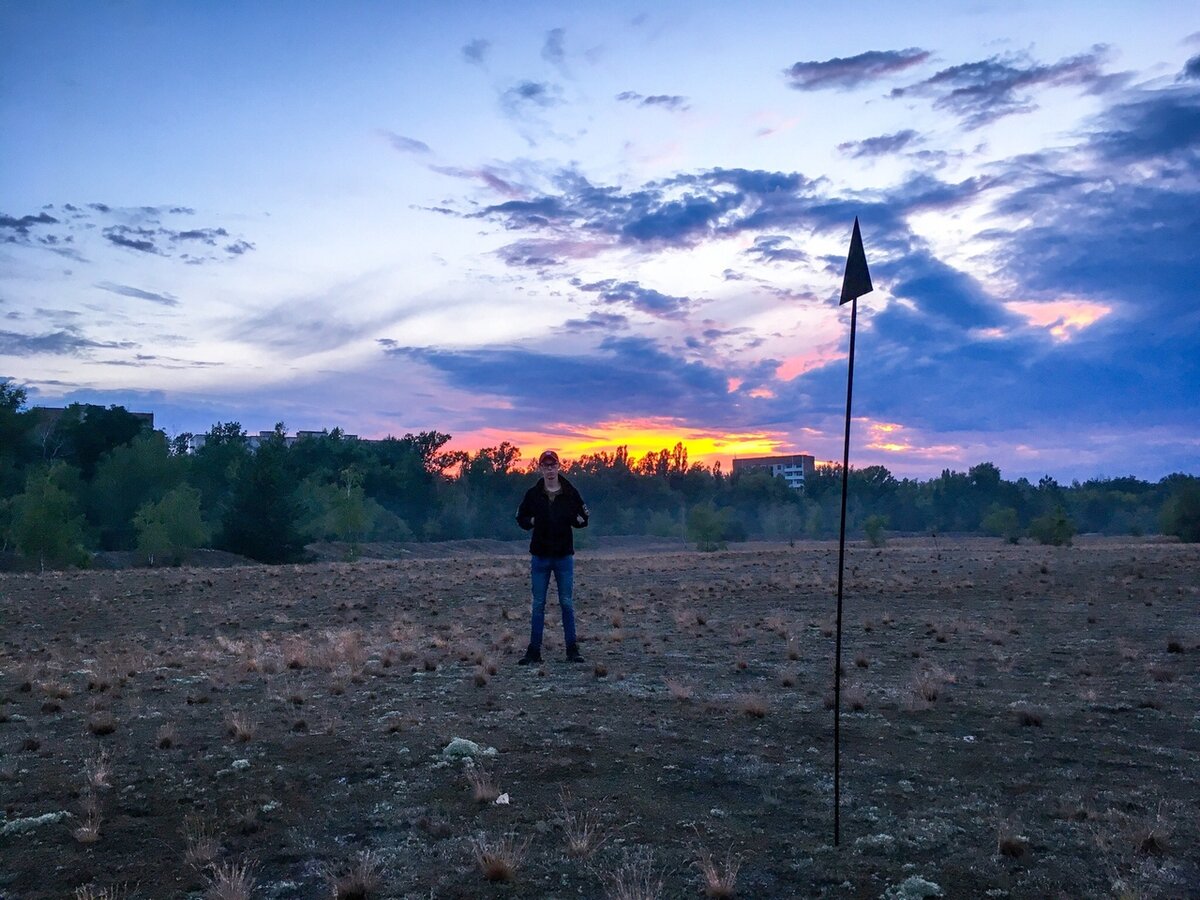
(579,226)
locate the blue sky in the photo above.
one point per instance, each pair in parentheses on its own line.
(626,224)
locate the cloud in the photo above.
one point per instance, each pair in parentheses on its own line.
(1191,70)
(526,95)
(845,73)
(140,239)
(137,293)
(1154,125)
(65,342)
(883,145)
(553,49)
(982,92)
(404,144)
(670,102)
(597,321)
(22,225)
(644,300)
(774,248)
(475,51)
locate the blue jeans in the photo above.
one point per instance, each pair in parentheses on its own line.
(563,568)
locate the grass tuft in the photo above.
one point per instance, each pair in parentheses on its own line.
(499,859)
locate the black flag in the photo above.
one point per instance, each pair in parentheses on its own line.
(857,279)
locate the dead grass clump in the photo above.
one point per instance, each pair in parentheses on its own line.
(754,705)
(788,678)
(59,690)
(678,690)
(582,831)
(1010,844)
(88,831)
(861,661)
(1161,674)
(166,737)
(480,678)
(855,697)
(1128,653)
(98,771)
(927,684)
(295,652)
(1150,837)
(633,879)
(1028,716)
(101,722)
(240,727)
(719,881)
(231,881)
(793,650)
(113,892)
(200,843)
(483,786)
(363,880)
(1174,646)
(499,859)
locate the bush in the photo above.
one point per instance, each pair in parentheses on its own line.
(1003,522)
(1181,512)
(707,526)
(170,529)
(1053,529)
(874,526)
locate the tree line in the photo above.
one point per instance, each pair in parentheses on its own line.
(97,478)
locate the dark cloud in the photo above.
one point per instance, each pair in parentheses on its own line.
(137,293)
(1157,125)
(627,376)
(65,342)
(775,248)
(597,321)
(643,299)
(883,145)
(140,239)
(1191,71)
(405,144)
(984,91)
(475,51)
(207,236)
(237,248)
(670,102)
(844,73)
(527,95)
(22,225)
(553,50)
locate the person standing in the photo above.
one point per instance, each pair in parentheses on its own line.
(551,509)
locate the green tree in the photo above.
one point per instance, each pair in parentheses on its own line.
(1002,521)
(16,442)
(1181,512)
(263,519)
(1053,529)
(874,527)
(168,530)
(127,478)
(46,524)
(88,432)
(707,527)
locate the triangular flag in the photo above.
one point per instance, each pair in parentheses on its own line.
(857,279)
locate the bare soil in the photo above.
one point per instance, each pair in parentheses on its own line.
(1018,721)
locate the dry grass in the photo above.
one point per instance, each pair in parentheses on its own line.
(231,881)
(678,690)
(88,831)
(1009,843)
(240,727)
(754,705)
(719,881)
(200,843)
(363,880)
(499,859)
(1028,716)
(483,787)
(98,771)
(101,722)
(582,831)
(166,737)
(633,879)
(113,892)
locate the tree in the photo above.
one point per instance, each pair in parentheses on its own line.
(168,530)
(127,478)
(89,432)
(706,526)
(1002,521)
(263,518)
(1181,512)
(874,526)
(46,524)
(1053,529)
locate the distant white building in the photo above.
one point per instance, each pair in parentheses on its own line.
(795,469)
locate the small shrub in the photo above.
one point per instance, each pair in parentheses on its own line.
(240,727)
(874,527)
(719,881)
(678,690)
(483,786)
(166,736)
(364,879)
(754,705)
(101,723)
(499,860)
(231,881)
(1053,529)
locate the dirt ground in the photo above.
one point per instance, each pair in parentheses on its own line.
(1018,721)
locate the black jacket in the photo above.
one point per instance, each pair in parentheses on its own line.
(551,523)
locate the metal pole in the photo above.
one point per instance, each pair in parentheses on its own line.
(837,664)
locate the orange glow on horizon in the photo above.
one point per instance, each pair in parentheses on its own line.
(641,436)
(1062,318)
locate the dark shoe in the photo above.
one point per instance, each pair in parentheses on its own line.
(573,654)
(532,655)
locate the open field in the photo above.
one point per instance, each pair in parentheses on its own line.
(1018,722)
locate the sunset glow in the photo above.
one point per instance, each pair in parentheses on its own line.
(1062,318)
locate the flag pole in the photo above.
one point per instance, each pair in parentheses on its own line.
(856,281)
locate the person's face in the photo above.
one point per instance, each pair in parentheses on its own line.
(549,471)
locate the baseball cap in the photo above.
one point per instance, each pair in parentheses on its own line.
(548,456)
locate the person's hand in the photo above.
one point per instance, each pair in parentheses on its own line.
(579,519)
(532,520)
